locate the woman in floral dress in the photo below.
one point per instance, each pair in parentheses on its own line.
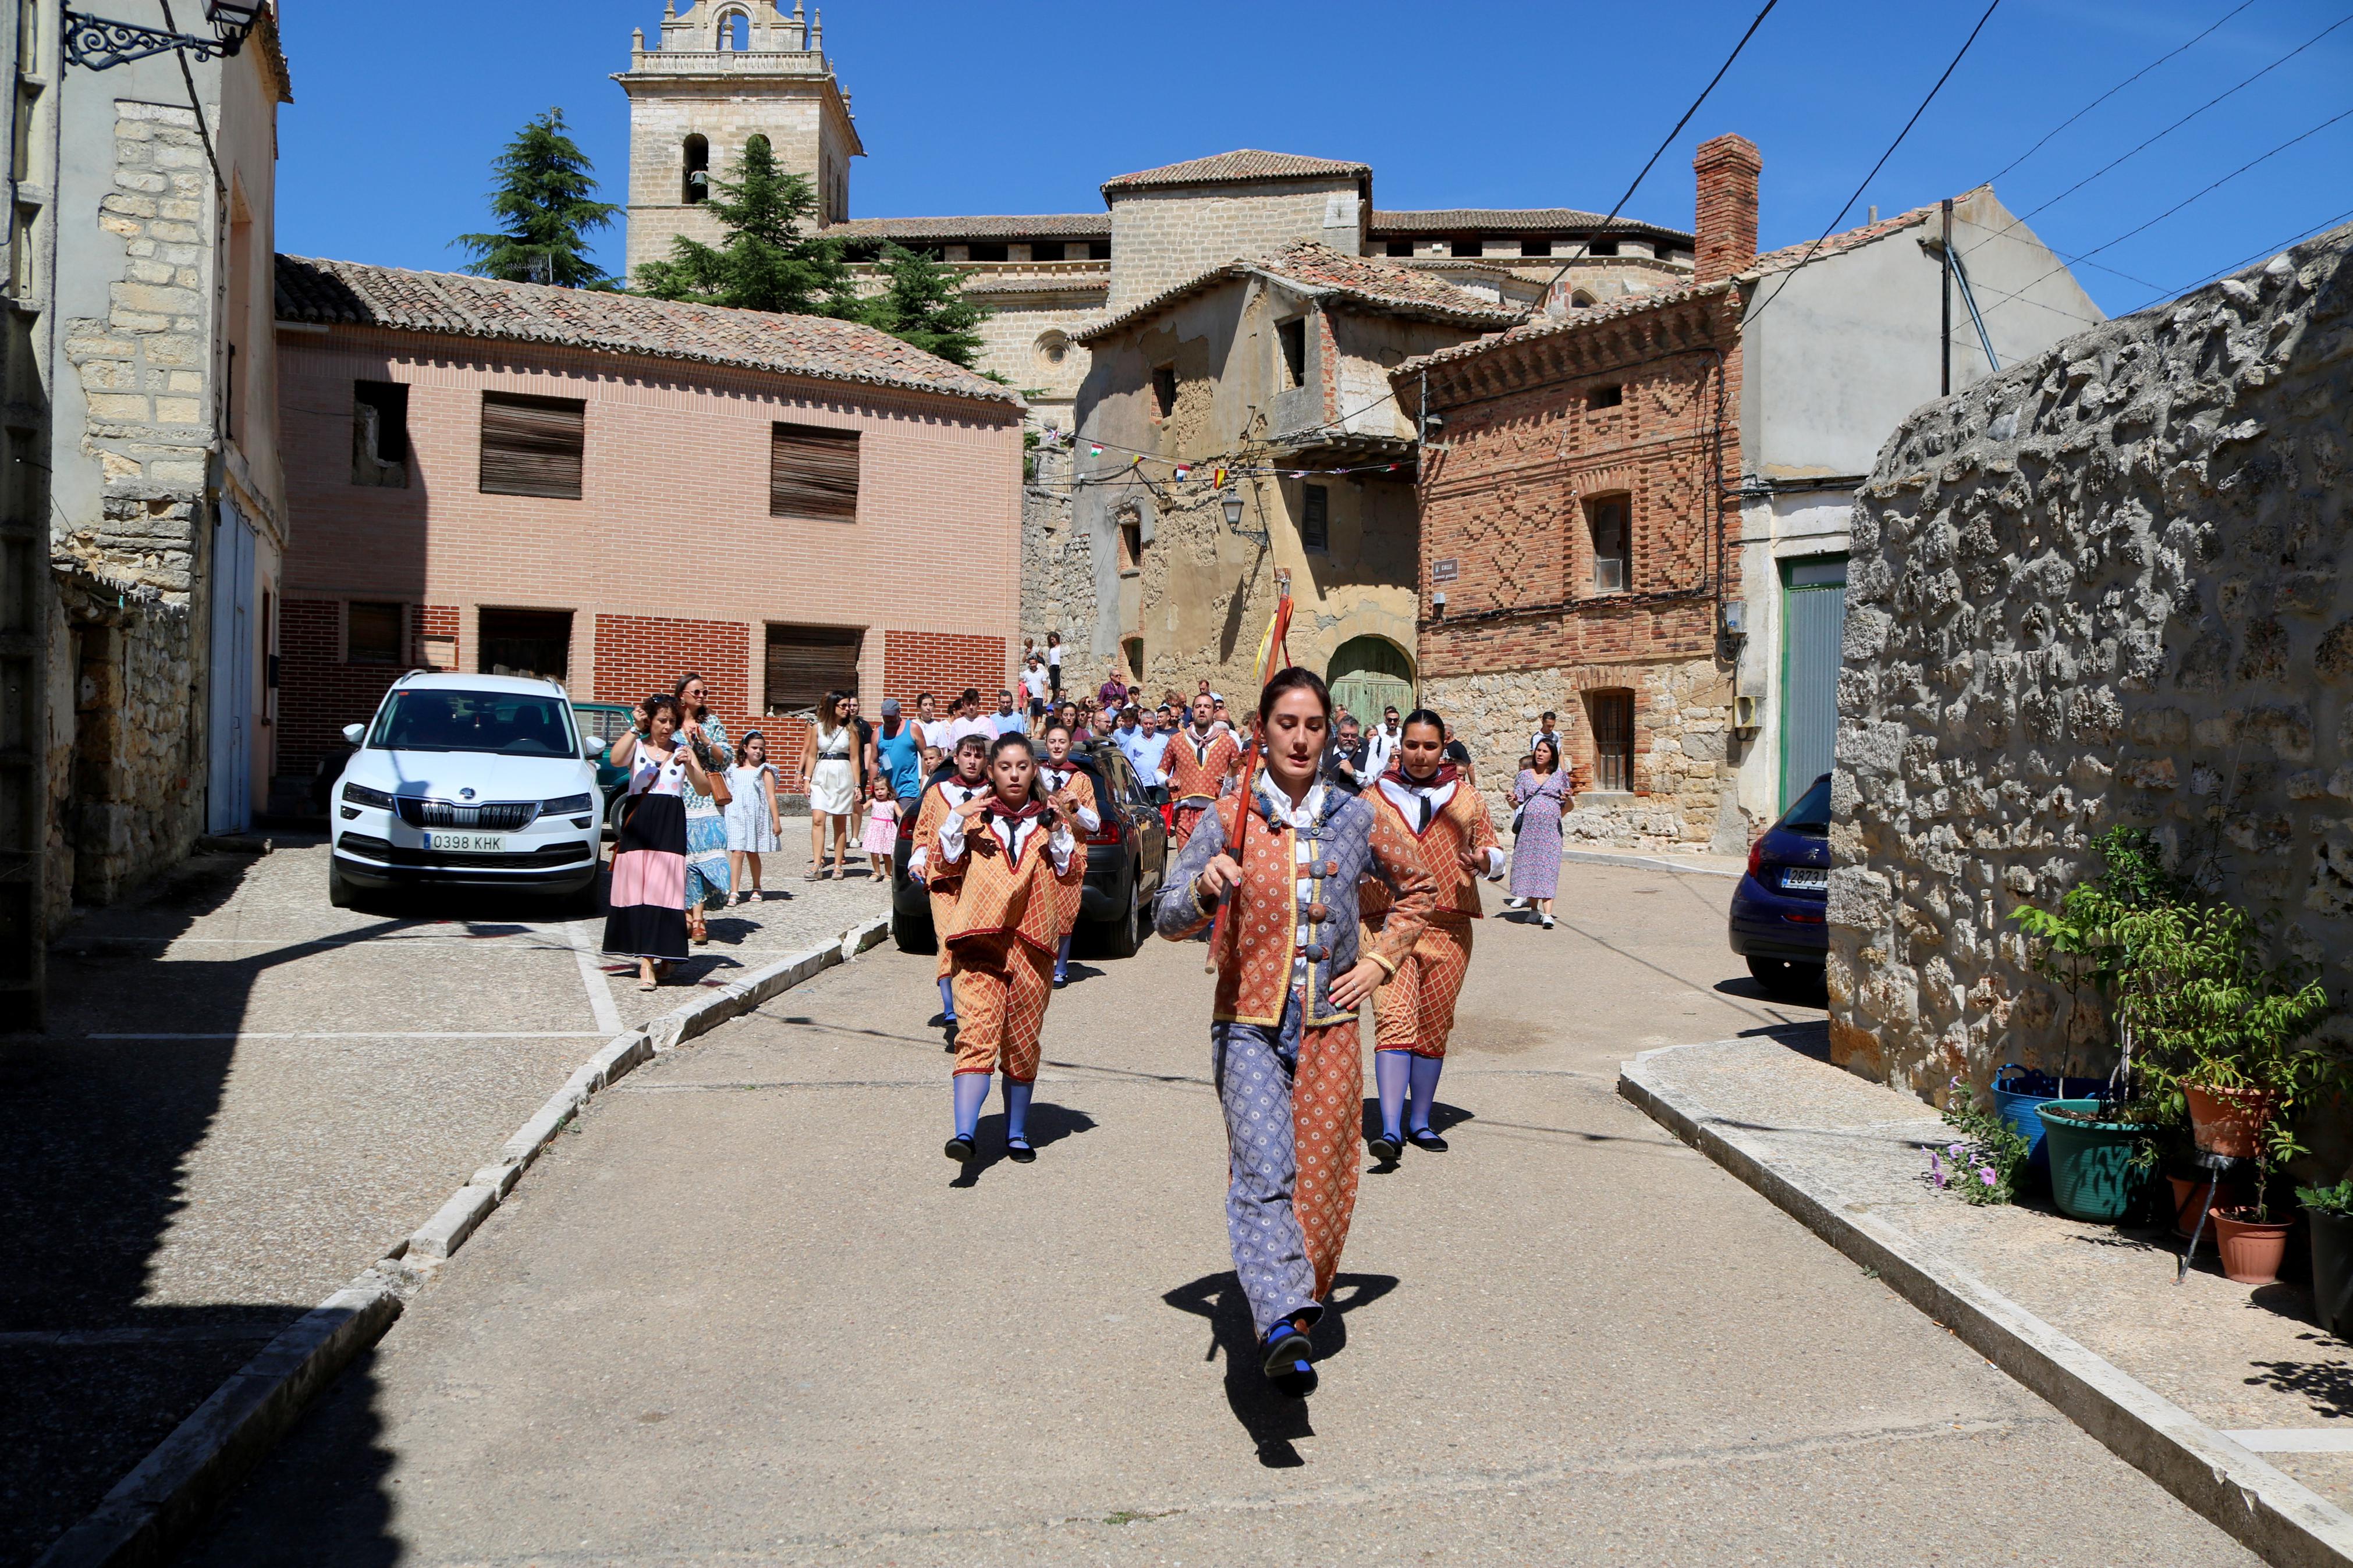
(706,829)
(1542,793)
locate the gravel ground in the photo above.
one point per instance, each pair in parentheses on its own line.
(245,1095)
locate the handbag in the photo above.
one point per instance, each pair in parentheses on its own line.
(721,795)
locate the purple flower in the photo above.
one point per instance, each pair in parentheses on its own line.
(1955,1150)
(1985,1174)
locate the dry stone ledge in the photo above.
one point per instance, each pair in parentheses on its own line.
(2103,587)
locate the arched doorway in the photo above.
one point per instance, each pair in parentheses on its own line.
(1368,673)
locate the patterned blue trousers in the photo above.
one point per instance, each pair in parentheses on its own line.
(1254,1067)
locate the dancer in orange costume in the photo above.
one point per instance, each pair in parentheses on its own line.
(941,797)
(1284,1041)
(1073,795)
(1201,758)
(1414,1012)
(1013,855)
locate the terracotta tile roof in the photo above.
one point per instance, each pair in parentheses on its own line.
(1577,319)
(1245,164)
(453,304)
(1363,280)
(1043,225)
(1789,256)
(1511,220)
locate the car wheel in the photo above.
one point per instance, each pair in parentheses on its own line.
(341,894)
(613,816)
(913,933)
(1787,979)
(1120,938)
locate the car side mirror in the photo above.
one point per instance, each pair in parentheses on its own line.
(355,733)
(594,749)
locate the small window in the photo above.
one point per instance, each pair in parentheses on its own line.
(1535,247)
(1581,300)
(807,662)
(813,472)
(1131,540)
(1467,248)
(533,446)
(1612,716)
(1316,518)
(993,250)
(1163,390)
(1602,247)
(1400,248)
(1604,397)
(380,434)
(372,633)
(1046,250)
(1099,250)
(1608,520)
(1134,649)
(1292,336)
(698,170)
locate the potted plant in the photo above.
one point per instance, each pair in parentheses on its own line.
(1986,1160)
(2331,1210)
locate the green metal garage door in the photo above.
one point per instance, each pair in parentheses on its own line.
(1814,623)
(1368,673)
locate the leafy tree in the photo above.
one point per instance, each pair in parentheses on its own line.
(923,303)
(766,262)
(544,194)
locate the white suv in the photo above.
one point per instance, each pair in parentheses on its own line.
(481,780)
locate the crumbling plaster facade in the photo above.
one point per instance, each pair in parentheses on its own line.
(2102,587)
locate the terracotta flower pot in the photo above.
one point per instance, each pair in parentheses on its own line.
(2189,1201)
(2228,1121)
(2251,1251)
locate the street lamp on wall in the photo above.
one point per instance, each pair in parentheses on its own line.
(96,43)
(1233,501)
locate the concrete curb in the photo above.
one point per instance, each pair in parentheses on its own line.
(2260,1506)
(151,1511)
(1645,863)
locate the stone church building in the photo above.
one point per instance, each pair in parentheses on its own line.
(1083,303)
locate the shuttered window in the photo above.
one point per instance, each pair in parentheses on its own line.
(813,473)
(1613,715)
(532,446)
(807,662)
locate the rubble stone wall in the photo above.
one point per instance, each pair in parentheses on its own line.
(2105,587)
(1058,568)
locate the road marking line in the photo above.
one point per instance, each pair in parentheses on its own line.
(592,976)
(361,1035)
(2295,1439)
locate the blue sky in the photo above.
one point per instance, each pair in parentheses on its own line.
(967,108)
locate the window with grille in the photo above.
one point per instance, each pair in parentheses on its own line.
(1292,336)
(1316,517)
(813,472)
(373,634)
(1163,390)
(1608,518)
(1612,717)
(807,662)
(533,446)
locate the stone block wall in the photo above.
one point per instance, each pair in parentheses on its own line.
(1057,569)
(1160,237)
(2103,587)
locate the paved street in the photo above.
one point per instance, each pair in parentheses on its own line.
(746,1313)
(245,1097)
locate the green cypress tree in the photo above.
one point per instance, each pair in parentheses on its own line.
(923,303)
(544,194)
(766,262)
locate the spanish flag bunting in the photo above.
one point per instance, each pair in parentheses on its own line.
(1184,470)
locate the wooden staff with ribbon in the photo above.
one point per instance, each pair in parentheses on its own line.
(1273,655)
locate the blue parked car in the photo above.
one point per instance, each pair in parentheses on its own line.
(1776,910)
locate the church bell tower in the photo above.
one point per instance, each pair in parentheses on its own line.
(721,72)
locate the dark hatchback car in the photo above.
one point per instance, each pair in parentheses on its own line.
(1776,910)
(1126,857)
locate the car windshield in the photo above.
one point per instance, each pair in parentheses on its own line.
(1813,812)
(511,724)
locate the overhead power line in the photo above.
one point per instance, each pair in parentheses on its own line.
(1584,250)
(1840,216)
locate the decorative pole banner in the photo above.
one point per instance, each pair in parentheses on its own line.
(1273,655)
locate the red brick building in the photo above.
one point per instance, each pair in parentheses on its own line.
(612,490)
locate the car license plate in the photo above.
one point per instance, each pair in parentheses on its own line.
(1803,878)
(476,842)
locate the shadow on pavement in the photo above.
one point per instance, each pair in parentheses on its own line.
(1048,1125)
(323,1496)
(1273,1420)
(1811,1039)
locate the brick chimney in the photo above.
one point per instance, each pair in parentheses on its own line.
(1725,226)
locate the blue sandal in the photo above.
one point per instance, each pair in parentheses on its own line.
(1288,1349)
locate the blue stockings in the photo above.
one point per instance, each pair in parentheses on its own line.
(972,1095)
(1017,1111)
(1389,1075)
(1062,958)
(947,1000)
(1425,1072)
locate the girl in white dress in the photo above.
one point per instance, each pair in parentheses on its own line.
(828,761)
(754,826)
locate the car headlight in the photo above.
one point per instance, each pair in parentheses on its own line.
(359,795)
(568,803)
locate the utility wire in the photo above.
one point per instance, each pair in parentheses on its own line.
(1585,246)
(2249,260)
(1865,185)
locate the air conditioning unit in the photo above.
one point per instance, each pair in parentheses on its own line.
(1609,574)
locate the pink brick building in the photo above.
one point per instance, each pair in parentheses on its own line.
(488,476)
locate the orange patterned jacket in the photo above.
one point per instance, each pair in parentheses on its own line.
(997,895)
(1198,777)
(1460,824)
(1079,785)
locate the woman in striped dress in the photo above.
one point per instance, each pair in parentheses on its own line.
(701,733)
(646,916)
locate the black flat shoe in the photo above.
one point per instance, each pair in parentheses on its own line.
(1425,1138)
(1383,1148)
(961,1151)
(1020,1153)
(1288,1351)
(1060,981)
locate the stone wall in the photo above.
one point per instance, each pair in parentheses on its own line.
(1160,236)
(1058,565)
(2102,587)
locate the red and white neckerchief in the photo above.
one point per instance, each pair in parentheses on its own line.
(1419,800)
(1059,779)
